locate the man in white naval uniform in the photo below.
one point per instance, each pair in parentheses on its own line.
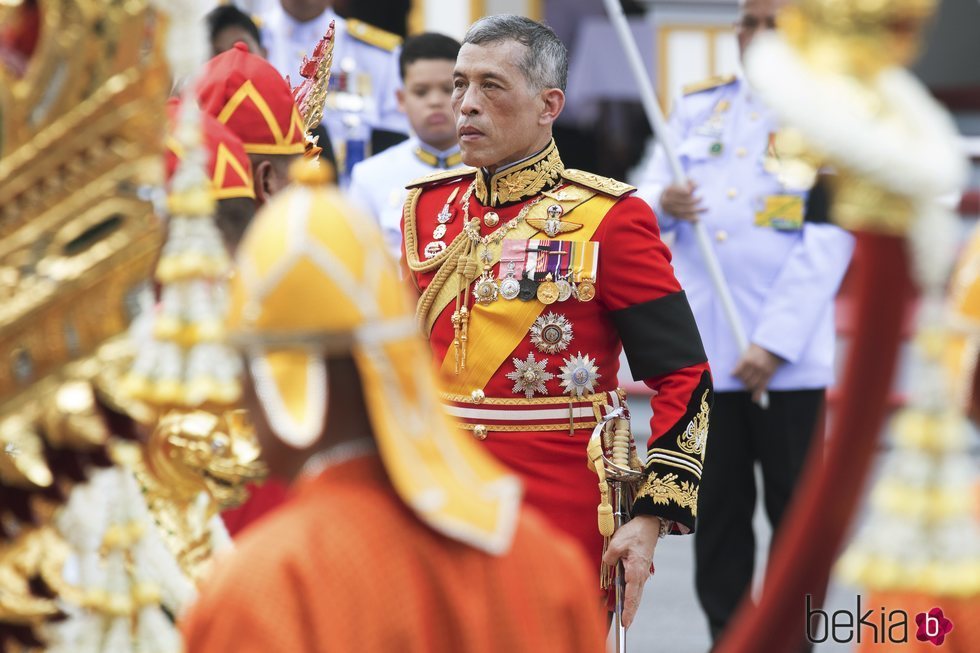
(378,184)
(784,264)
(361,115)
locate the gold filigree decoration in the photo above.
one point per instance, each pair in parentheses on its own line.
(605,185)
(695,437)
(666,489)
(523,180)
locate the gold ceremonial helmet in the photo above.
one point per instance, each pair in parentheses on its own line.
(314,279)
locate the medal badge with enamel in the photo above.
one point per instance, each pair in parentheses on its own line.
(551,333)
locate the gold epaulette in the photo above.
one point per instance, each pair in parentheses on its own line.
(604,185)
(441,176)
(372,35)
(708,84)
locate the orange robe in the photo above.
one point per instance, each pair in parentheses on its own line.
(346,566)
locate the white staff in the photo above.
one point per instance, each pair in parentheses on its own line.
(656,118)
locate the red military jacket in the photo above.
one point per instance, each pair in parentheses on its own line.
(527,310)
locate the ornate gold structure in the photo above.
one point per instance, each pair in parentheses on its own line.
(80,137)
(191,455)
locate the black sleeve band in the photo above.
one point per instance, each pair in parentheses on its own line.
(659,336)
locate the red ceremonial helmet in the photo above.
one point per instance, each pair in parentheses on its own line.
(245,92)
(228,164)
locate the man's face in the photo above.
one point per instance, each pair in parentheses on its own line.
(498,115)
(756,16)
(427,101)
(229,36)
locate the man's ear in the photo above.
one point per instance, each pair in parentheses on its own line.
(400,96)
(263,173)
(554,102)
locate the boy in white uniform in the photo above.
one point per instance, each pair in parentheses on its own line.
(378,183)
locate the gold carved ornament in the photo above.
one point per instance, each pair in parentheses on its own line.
(664,490)
(694,439)
(522,181)
(80,141)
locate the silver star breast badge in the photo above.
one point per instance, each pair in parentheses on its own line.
(579,375)
(529,376)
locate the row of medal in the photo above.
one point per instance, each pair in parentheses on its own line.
(444,217)
(547,270)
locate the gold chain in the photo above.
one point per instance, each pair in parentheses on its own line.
(461,316)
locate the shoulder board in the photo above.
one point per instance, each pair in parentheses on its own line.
(442,176)
(372,35)
(708,84)
(604,185)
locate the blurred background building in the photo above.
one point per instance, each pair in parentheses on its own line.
(684,41)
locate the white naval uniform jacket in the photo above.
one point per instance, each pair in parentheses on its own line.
(783,281)
(378,184)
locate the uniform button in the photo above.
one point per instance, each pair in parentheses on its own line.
(740,152)
(477,396)
(480,432)
(754,115)
(721,235)
(491,219)
(732,193)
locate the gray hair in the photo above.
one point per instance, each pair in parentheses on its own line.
(545,65)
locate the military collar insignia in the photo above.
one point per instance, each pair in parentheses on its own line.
(436,161)
(551,333)
(522,181)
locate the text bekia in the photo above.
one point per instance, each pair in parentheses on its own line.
(877,625)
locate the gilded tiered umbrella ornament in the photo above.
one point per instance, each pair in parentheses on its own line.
(834,76)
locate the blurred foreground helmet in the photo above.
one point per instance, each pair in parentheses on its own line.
(314,280)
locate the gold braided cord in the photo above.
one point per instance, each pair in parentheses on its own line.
(428,297)
(678,466)
(516,428)
(676,454)
(562,400)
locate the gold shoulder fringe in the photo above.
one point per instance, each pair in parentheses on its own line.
(708,84)
(372,35)
(441,176)
(604,185)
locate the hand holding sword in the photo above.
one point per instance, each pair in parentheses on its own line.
(628,543)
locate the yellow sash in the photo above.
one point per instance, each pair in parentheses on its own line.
(496,329)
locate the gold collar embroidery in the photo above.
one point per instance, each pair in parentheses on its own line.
(436,161)
(522,181)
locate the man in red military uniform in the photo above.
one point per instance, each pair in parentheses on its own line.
(532,279)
